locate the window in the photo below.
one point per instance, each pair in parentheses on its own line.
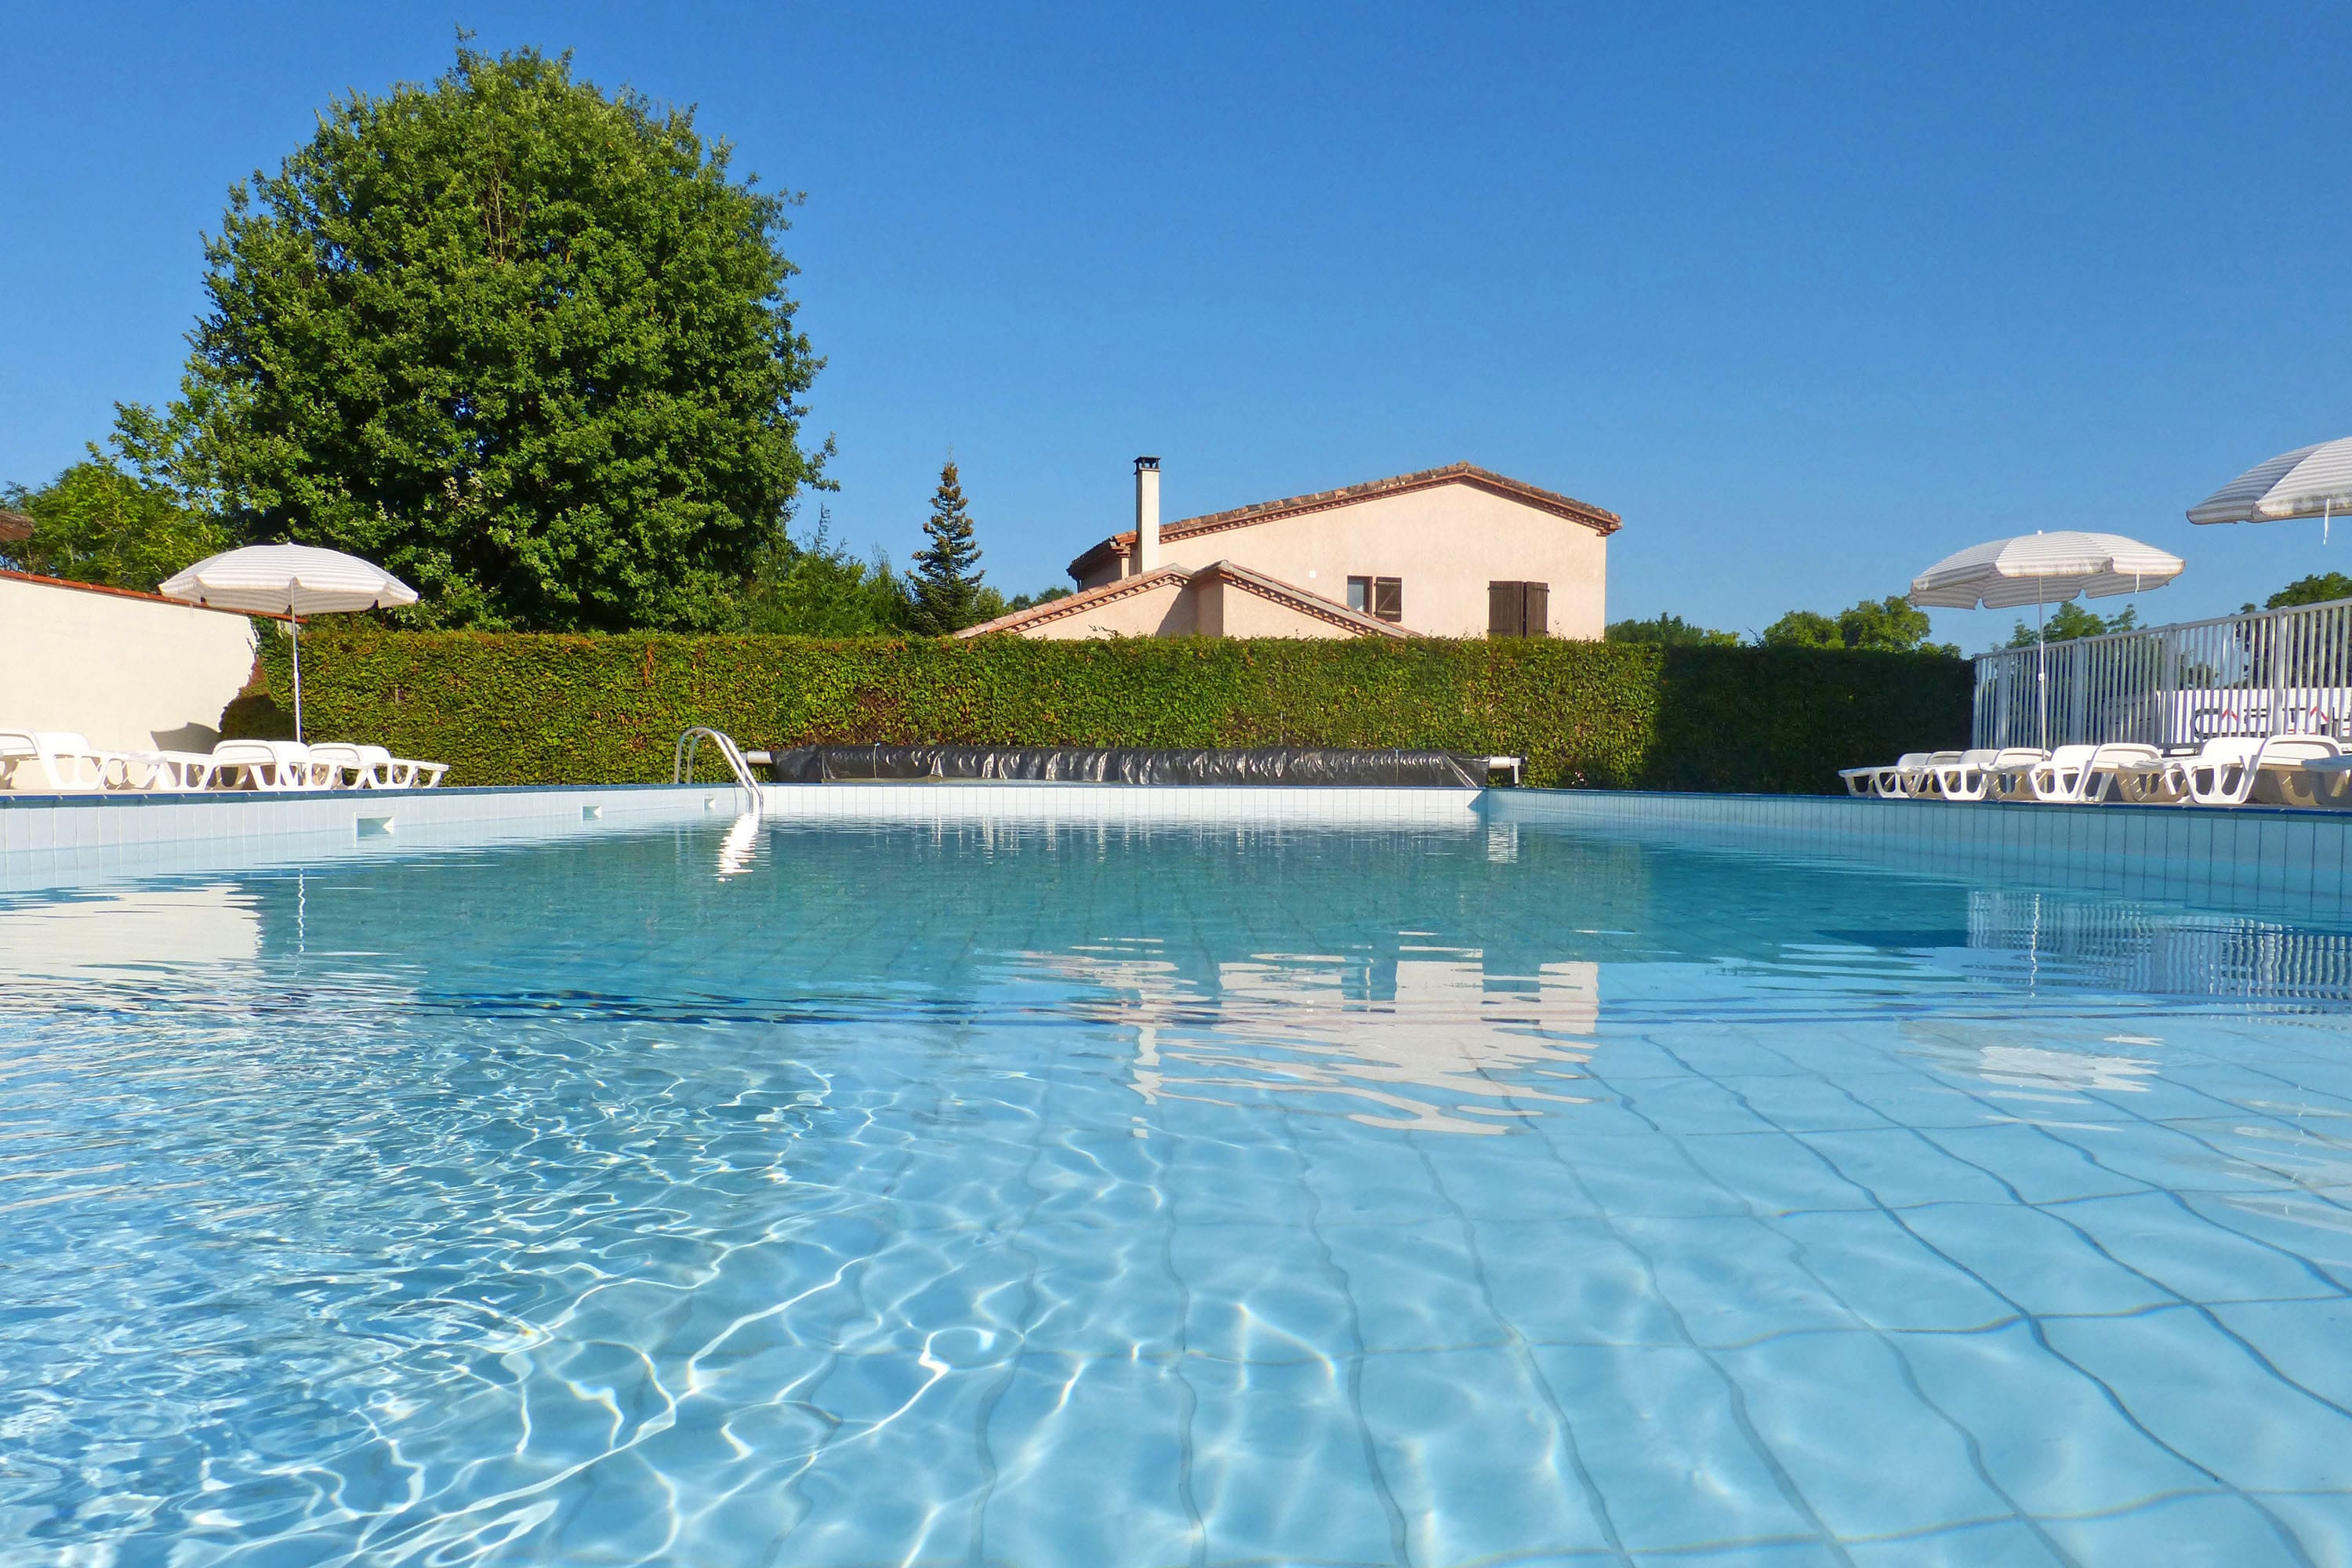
(1381,597)
(1518,609)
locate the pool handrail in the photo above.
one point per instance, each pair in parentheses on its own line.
(690,739)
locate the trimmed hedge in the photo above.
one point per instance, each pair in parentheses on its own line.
(506,708)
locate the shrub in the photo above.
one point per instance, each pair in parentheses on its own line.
(511,708)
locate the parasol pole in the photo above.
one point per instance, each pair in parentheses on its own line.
(2041,669)
(294,630)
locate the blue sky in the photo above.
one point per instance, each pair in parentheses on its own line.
(1812,296)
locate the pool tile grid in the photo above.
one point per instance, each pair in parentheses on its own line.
(2263,1530)
(1891,1329)
(2295,860)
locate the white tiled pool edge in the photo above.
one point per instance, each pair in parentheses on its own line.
(2167,850)
(62,841)
(49,841)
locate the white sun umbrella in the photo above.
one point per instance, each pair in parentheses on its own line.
(2310,481)
(289,580)
(2041,570)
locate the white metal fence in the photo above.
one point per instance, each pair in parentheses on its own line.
(2269,672)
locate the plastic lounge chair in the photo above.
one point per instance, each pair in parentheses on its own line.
(2005,775)
(68,763)
(1881,781)
(264,764)
(1964,778)
(2110,763)
(1858,780)
(369,766)
(1983,773)
(1886,782)
(2330,782)
(2063,778)
(407,773)
(2224,772)
(1916,781)
(168,770)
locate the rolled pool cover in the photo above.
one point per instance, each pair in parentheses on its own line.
(1128,765)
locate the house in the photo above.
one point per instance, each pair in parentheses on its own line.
(1456,552)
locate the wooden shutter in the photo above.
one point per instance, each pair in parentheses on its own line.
(1506,609)
(1537,619)
(1388,598)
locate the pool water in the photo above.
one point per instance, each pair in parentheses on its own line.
(992,1195)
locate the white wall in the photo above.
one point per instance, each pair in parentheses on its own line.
(129,671)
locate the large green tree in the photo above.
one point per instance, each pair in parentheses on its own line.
(523,343)
(945,587)
(100,522)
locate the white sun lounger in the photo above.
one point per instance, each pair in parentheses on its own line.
(264,764)
(1884,782)
(1917,780)
(371,767)
(1861,780)
(2080,775)
(1979,771)
(68,763)
(1911,775)
(2224,773)
(168,770)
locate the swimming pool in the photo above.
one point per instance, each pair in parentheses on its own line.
(990,1193)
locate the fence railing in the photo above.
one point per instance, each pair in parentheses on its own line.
(2267,672)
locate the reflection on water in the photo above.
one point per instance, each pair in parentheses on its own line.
(112,936)
(2151,949)
(1427,1039)
(735,851)
(2023,1061)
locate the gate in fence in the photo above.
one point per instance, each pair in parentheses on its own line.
(2267,672)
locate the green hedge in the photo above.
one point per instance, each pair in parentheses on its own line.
(515,708)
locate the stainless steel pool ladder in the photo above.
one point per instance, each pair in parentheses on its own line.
(681,762)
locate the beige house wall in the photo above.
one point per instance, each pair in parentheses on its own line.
(1228,611)
(129,673)
(1444,544)
(1164,611)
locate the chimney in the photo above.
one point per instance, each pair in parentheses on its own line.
(1147,514)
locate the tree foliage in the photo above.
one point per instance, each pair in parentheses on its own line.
(2317,589)
(820,590)
(1891,624)
(99,522)
(1668,631)
(2071,621)
(523,344)
(944,590)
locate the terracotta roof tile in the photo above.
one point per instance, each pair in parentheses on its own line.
(1299,599)
(1070,604)
(1593,517)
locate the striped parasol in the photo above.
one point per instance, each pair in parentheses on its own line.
(2043,569)
(2310,481)
(289,580)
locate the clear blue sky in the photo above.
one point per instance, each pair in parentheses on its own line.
(1812,296)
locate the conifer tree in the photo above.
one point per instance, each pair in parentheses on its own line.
(944,590)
